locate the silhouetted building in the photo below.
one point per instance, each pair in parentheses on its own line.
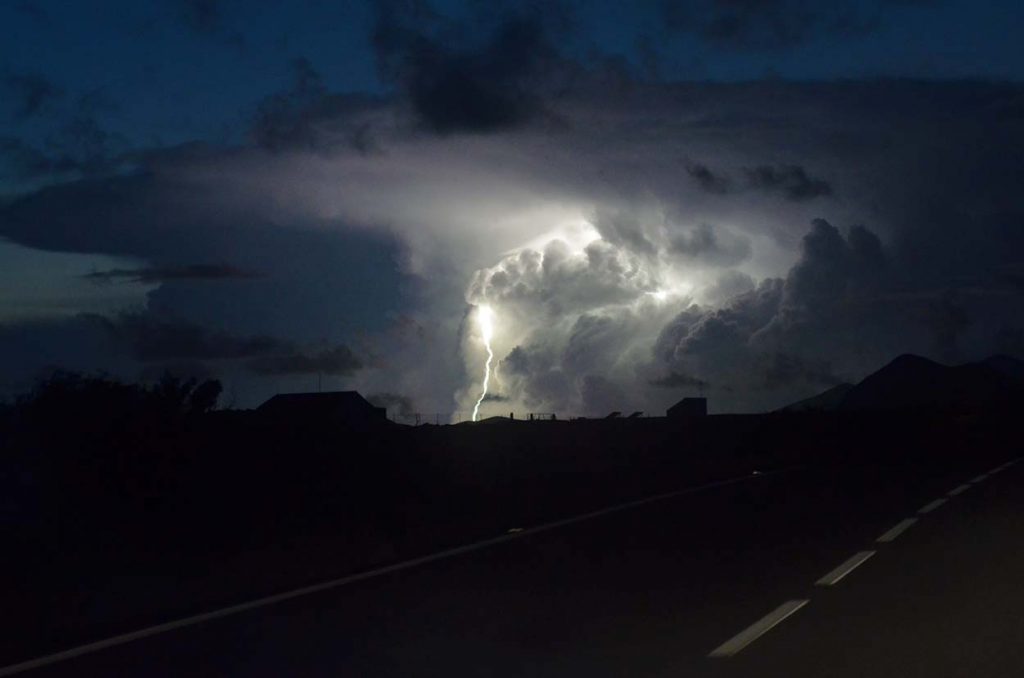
(345,408)
(689,407)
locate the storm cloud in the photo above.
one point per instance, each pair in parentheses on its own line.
(774,24)
(335,361)
(790,181)
(451,86)
(815,240)
(157,275)
(28,94)
(153,339)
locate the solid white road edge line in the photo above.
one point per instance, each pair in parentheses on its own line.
(959,490)
(89,648)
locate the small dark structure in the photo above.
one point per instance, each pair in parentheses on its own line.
(343,408)
(689,407)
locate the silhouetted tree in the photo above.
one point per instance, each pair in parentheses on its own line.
(204,396)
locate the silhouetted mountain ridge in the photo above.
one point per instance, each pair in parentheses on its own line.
(912,382)
(826,401)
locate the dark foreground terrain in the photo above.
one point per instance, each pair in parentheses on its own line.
(602,547)
(653,590)
(242,508)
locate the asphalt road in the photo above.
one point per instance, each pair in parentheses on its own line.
(839,571)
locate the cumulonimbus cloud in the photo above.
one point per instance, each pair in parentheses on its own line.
(611,260)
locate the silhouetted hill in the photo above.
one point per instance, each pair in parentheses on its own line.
(1005,365)
(913,382)
(826,401)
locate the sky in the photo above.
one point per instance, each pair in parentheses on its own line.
(751,199)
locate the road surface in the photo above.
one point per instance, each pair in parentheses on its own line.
(900,569)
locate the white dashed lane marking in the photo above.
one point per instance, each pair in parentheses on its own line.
(959,490)
(757,629)
(978,479)
(514,533)
(898,529)
(932,505)
(833,577)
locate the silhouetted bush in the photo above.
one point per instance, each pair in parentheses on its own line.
(94,446)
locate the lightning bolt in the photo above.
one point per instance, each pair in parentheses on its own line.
(485,319)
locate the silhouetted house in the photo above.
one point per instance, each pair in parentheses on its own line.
(689,407)
(342,408)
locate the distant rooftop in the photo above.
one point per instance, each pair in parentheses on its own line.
(347,406)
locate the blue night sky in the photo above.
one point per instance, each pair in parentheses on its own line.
(644,192)
(162,73)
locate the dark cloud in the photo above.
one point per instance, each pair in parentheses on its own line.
(77,146)
(517,361)
(100,215)
(624,228)
(335,361)
(183,369)
(832,269)
(539,380)
(284,120)
(708,245)
(307,117)
(932,167)
(791,181)
(152,339)
(84,138)
(22,162)
(709,180)
(154,275)
(31,349)
(394,403)
(842,310)
(727,286)
(784,337)
(592,340)
(29,94)
(455,85)
(773,24)
(33,11)
(149,338)
(202,16)
(781,370)
(206,18)
(678,380)
(600,395)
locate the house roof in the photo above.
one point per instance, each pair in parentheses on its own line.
(317,403)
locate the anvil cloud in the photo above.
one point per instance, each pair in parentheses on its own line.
(637,239)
